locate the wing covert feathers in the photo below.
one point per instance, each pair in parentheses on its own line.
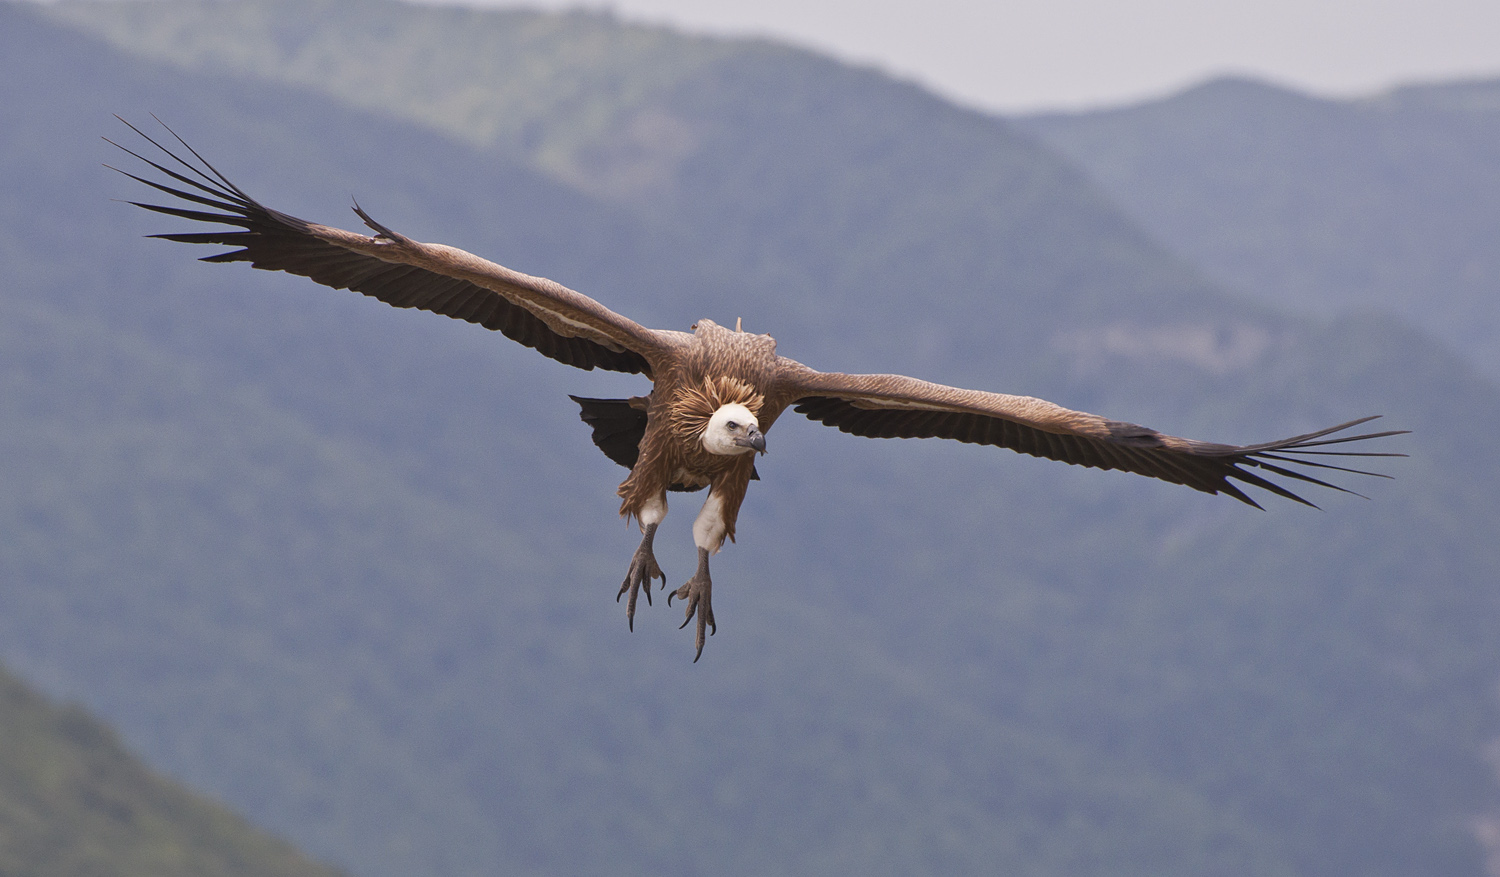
(894,406)
(546,316)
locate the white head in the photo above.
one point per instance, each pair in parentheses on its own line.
(733,430)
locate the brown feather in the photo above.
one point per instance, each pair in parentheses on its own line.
(713,367)
(894,406)
(554,320)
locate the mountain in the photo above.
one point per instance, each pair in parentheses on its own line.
(708,160)
(1388,203)
(351,569)
(74,801)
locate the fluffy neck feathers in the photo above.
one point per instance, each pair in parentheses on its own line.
(694,404)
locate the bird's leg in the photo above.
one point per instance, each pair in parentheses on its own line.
(708,534)
(698,593)
(643,565)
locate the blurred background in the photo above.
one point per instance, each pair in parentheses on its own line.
(1031,55)
(296,581)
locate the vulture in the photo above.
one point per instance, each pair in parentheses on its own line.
(716,392)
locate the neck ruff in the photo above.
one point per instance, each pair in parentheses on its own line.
(693,405)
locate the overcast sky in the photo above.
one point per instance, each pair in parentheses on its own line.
(1038,54)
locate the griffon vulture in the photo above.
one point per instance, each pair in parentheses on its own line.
(716,392)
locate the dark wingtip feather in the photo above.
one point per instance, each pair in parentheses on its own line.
(1266,484)
(1291,451)
(1302,476)
(1238,494)
(213,170)
(1317,465)
(217,184)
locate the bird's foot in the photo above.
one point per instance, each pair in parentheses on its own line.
(643,568)
(698,593)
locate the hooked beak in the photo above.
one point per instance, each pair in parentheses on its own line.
(755,440)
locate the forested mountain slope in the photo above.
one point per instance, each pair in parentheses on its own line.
(1387,203)
(73,801)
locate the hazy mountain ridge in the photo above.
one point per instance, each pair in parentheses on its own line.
(1066,672)
(1383,203)
(73,801)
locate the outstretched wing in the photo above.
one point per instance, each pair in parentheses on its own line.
(556,321)
(894,406)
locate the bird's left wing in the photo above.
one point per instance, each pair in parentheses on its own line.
(895,406)
(556,321)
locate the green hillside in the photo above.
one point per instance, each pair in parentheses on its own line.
(352,569)
(1390,202)
(73,801)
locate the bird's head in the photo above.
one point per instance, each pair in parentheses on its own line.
(733,430)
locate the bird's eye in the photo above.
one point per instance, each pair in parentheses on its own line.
(732,425)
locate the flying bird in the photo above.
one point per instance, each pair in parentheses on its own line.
(716,392)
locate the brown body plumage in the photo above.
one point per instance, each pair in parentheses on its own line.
(716,367)
(716,391)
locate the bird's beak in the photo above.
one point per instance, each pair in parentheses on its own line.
(755,440)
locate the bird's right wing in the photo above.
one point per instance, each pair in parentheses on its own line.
(556,321)
(896,406)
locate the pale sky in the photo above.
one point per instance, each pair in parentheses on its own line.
(1058,54)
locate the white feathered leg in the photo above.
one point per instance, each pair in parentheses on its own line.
(708,534)
(643,566)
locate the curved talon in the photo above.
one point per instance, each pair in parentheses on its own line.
(643,568)
(698,592)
